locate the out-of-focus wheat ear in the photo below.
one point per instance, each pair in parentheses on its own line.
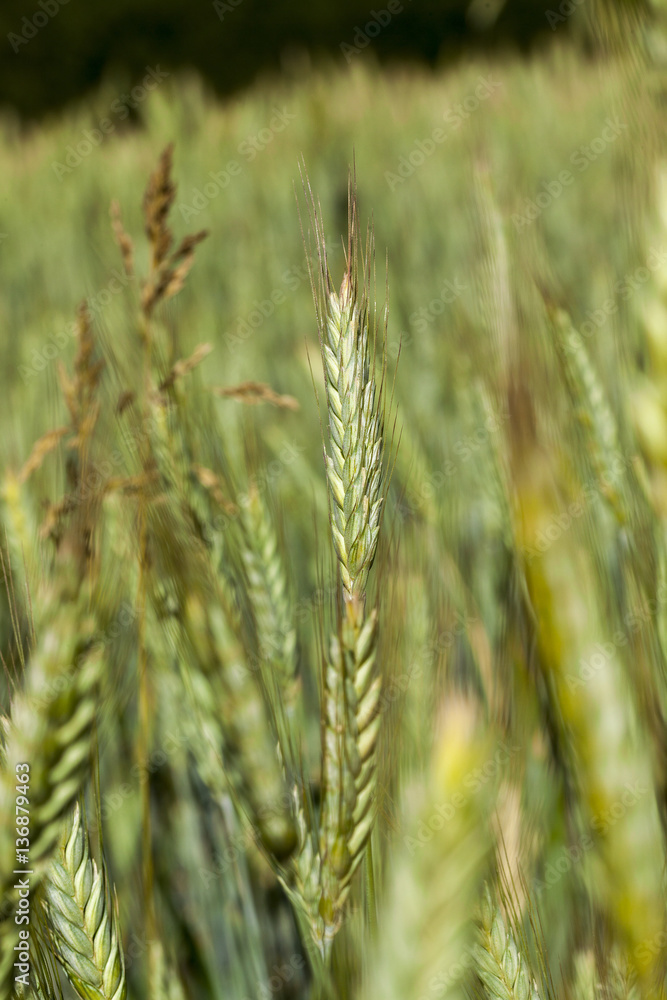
(584,982)
(501,965)
(608,978)
(122,238)
(302,884)
(81,911)
(268,591)
(158,200)
(600,433)
(593,412)
(49,728)
(230,703)
(621,980)
(49,731)
(19,536)
(605,746)
(435,871)
(165,982)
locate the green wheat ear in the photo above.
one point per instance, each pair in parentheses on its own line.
(500,963)
(82,917)
(351,684)
(427,936)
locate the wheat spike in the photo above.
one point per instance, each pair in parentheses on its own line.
(49,729)
(354,462)
(235,717)
(609,758)
(593,412)
(500,963)
(356,477)
(436,872)
(352,691)
(81,912)
(269,596)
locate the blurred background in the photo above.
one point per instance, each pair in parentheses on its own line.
(56,50)
(512,154)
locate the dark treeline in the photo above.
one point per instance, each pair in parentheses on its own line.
(55,50)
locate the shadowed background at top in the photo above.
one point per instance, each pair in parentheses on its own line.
(56,50)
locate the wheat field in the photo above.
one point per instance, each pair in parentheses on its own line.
(334,535)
